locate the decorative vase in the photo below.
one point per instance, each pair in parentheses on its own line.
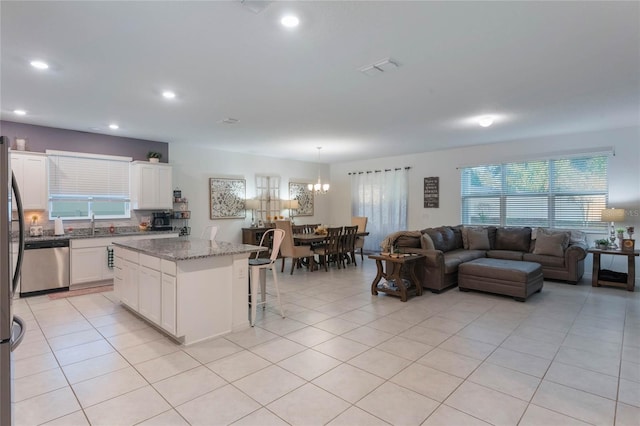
(154,160)
(620,238)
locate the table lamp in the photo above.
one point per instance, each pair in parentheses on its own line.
(253,205)
(291,205)
(612,215)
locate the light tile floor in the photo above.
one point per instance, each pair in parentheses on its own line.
(568,356)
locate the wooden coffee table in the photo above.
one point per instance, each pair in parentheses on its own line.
(395,266)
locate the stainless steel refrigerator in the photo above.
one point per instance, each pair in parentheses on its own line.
(12,327)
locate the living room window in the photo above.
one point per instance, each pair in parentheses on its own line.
(554,193)
(268,193)
(82,185)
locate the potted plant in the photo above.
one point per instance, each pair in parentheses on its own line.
(154,157)
(602,244)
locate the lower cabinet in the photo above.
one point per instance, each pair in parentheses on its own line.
(129,291)
(147,285)
(169,303)
(150,294)
(87,265)
(90,257)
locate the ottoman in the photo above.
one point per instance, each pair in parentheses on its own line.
(514,278)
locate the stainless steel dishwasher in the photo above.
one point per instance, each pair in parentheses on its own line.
(45,266)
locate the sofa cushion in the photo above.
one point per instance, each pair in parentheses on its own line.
(551,244)
(478,239)
(505,254)
(443,238)
(457,236)
(466,255)
(491,233)
(407,241)
(514,239)
(426,243)
(544,260)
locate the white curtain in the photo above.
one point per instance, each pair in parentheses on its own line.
(381,196)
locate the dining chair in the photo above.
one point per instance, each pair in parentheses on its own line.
(289,250)
(298,229)
(361,222)
(259,266)
(209,233)
(348,246)
(330,250)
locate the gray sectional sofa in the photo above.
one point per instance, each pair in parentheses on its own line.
(561,253)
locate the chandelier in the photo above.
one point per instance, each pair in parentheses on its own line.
(319,187)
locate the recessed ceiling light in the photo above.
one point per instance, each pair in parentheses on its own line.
(485,121)
(230,120)
(19,112)
(168,94)
(290,21)
(41,65)
(114,126)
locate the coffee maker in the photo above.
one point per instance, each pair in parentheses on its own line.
(161,221)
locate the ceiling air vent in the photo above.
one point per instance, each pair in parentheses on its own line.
(230,120)
(256,6)
(379,67)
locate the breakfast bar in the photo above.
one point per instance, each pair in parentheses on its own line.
(193,289)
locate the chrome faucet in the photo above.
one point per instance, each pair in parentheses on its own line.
(93,224)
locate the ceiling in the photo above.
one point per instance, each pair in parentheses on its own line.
(540,68)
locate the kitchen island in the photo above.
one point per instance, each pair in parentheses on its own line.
(193,289)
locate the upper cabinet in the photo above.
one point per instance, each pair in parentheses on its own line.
(30,170)
(151,186)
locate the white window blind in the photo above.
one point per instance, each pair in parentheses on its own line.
(81,185)
(556,193)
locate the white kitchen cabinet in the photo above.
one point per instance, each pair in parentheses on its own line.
(151,186)
(150,293)
(130,284)
(30,170)
(87,265)
(169,297)
(89,261)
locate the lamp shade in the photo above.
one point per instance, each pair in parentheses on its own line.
(294,204)
(612,215)
(251,204)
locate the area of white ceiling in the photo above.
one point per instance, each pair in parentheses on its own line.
(540,67)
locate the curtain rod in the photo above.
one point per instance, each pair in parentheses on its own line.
(380,171)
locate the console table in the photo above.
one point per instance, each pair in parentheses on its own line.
(394,271)
(631,268)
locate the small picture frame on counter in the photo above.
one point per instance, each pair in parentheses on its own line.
(628,244)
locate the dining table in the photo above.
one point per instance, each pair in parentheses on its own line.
(313,238)
(318,238)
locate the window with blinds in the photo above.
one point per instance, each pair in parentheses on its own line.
(555,193)
(82,185)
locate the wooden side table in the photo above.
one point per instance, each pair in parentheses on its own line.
(394,269)
(631,268)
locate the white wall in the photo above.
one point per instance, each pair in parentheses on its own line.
(624,175)
(193,166)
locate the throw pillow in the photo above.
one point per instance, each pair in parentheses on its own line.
(426,243)
(442,238)
(478,239)
(550,244)
(550,232)
(515,239)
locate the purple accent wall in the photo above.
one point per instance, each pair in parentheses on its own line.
(41,138)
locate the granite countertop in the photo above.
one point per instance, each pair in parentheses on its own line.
(187,248)
(100,233)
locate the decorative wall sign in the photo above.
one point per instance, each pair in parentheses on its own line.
(300,191)
(227,198)
(431,192)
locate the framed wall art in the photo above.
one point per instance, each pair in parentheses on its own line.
(300,191)
(226,198)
